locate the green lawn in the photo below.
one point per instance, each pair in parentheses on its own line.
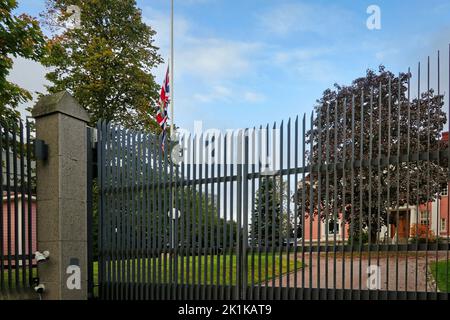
(205,263)
(441,274)
(211,278)
(13,277)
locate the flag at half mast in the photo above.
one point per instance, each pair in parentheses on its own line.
(164,100)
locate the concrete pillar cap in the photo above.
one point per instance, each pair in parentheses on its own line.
(61,102)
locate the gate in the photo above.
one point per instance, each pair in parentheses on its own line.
(17,209)
(349,203)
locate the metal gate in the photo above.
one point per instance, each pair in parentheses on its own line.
(17,208)
(349,203)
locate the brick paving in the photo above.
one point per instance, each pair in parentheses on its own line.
(412,275)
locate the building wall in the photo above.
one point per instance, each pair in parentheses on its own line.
(439,214)
(21,247)
(319,230)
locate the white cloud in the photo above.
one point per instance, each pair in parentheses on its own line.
(382,55)
(29,75)
(307,63)
(215,60)
(304,54)
(217,93)
(285,19)
(254,97)
(206,61)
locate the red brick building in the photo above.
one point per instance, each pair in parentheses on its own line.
(9,216)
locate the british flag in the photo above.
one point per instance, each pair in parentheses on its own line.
(164,100)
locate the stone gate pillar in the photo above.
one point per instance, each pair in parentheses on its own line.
(62,197)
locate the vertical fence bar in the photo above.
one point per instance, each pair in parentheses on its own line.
(129,213)
(303,203)
(335,206)
(115,208)
(100,207)
(438,216)
(139,216)
(171,240)
(109,212)
(203,221)
(133,214)
(233,244)
(398,185)
(16,207)
(319,190)
(208,226)
(239,247)
(259,213)
(429,220)
(379,178)
(296,225)
(419,149)
(352,198)
(448,178)
(245,159)
(369,216)
(103,211)
(273,241)
(327,199)
(180,236)
(195,221)
(253,215)
(23,225)
(123,212)
(288,200)
(188,217)
(361,156)
(266,219)
(388,183)
(408,152)
(160,281)
(166,225)
(150,216)
(219,249)
(89,195)
(311,205)
(226,285)
(30,209)
(344,189)
(280,191)
(171,225)
(2,254)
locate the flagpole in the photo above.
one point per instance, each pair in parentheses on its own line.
(172,132)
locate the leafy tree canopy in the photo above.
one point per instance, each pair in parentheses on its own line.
(374,118)
(20,36)
(105,62)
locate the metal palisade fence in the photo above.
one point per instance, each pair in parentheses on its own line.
(350,202)
(17,209)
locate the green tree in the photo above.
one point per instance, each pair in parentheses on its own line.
(105,62)
(269,217)
(385,123)
(20,36)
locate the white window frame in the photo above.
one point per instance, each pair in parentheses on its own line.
(335,224)
(443,226)
(426,218)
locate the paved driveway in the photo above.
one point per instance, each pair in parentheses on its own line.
(412,273)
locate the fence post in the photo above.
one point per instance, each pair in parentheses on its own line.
(62,197)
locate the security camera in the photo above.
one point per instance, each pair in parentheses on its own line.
(39,288)
(42,257)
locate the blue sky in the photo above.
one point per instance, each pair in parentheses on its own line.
(249,62)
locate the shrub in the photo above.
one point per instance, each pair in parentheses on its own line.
(421,232)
